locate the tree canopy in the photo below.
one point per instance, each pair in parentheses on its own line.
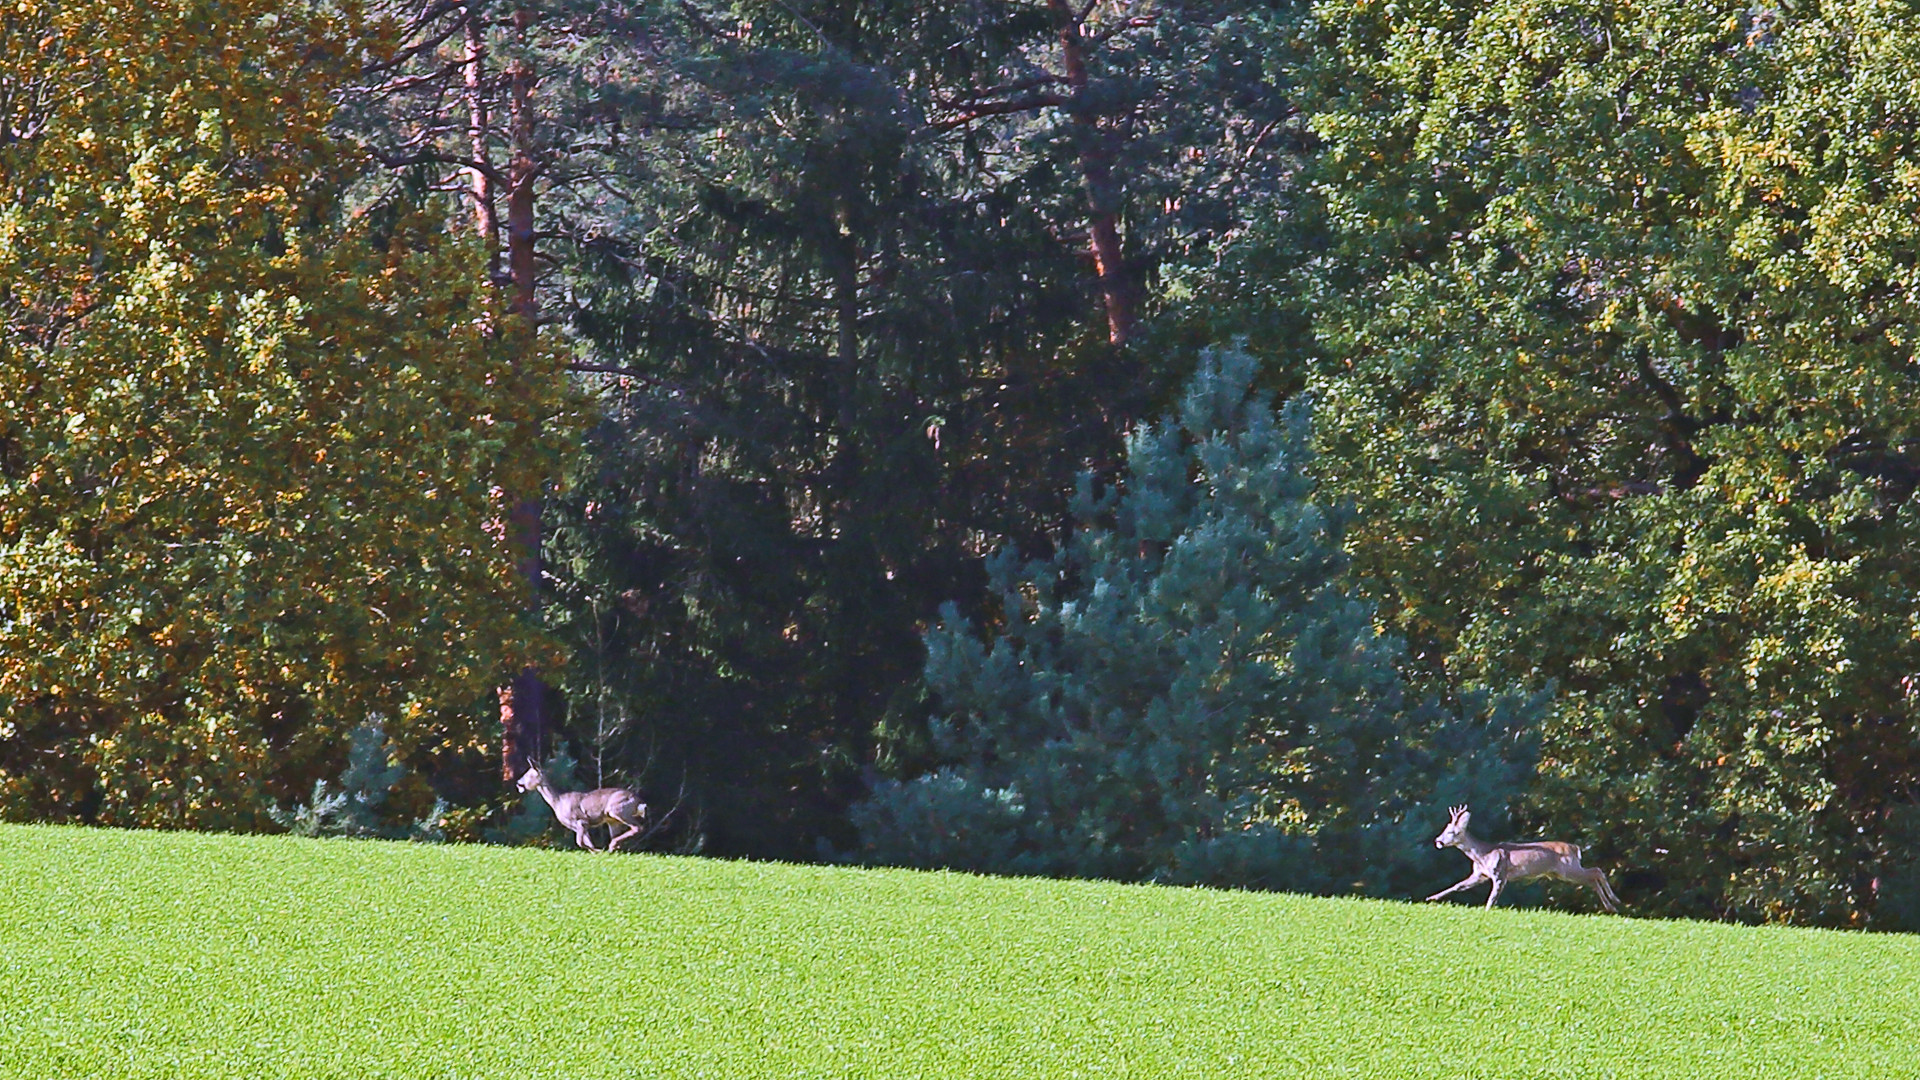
(1186,690)
(250,444)
(1617,324)
(646,385)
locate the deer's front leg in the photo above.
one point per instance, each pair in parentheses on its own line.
(580,837)
(1472,879)
(1494,893)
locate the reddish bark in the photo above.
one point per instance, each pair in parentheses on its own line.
(521,173)
(523,704)
(522,708)
(1096,173)
(486,216)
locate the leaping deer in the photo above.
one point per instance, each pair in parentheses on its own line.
(581,810)
(1501,863)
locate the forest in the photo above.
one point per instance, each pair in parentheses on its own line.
(1189,441)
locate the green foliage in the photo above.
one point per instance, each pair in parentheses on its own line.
(1609,312)
(1618,318)
(250,444)
(1897,886)
(314,818)
(359,808)
(853,342)
(160,956)
(945,819)
(1186,691)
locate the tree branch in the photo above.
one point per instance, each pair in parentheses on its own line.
(433,157)
(424,45)
(1000,108)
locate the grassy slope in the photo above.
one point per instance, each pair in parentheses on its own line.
(178,955)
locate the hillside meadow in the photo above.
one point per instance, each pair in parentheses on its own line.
(143,955)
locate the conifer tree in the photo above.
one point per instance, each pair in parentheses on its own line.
(854,333)
(852,280)
(1187,690)
(360,807)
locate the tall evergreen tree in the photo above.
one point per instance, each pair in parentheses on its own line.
(467,98)
(834,366)
(835,269)
(1186,691)
(852,278)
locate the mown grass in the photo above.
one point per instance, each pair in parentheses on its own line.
(178,955)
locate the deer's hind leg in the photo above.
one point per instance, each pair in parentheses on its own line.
(1595,878)
(633,827)
(1608,898)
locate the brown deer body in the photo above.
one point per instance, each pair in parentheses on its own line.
(1498,864)
(582,810)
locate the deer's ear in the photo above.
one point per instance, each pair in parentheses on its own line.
(1464,815)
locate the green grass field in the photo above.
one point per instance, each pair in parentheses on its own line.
(179,955)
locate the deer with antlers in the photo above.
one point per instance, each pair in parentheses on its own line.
(581,810)
(1499,864)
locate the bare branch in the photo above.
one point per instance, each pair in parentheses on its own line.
(423,45)
(410,82)
(433,157)
(1000,108)
(698,19)
(613,369)
(1107,34)
(1045,78)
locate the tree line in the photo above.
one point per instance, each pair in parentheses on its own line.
(1161,439)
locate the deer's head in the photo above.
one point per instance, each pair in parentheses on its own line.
(530,780)
(1456,827)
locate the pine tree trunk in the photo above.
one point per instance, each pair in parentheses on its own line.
(1096,172)
(523,704)
(486,216)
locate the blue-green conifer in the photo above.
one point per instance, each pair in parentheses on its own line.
(1187,690)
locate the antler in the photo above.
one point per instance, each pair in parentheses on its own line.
(1456,811)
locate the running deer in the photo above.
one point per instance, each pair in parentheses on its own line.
(581,810)
(1501,863)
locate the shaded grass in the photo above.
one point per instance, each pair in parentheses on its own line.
(182,955)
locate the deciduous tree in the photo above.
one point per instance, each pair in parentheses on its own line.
(1619,333)
(252,447)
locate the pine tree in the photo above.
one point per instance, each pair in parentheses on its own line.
(1187,690)
(359,808)
(850,278)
